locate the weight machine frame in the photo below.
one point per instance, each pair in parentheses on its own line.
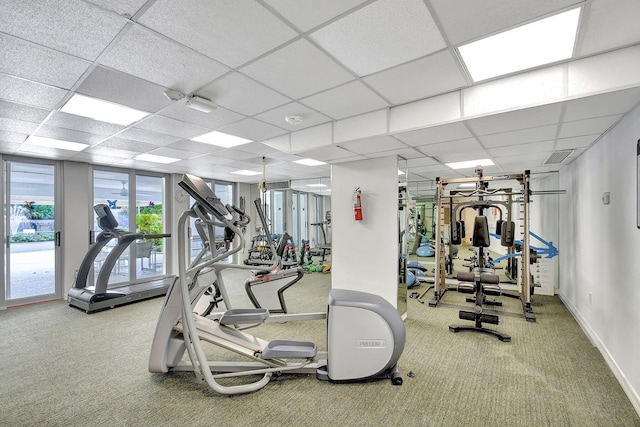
(440,287)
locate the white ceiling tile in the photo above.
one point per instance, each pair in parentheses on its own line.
(307,14)
(435,134)
(213,120)
(284,157)
(23,113)
(68,135)
(281,143)
(459,146)
(47,152)
(420,162)
(520,119)
(140,52)
(257,149)
(352,158)
(327,154)
(71,121)
(193,146)
(101,150)
(405,153)
(121,7)
(602,105)
(30,61)
(537,87)
(425,77)
(345,101)
(312,138)
(277,116)
(252,129)
(11,141)
(426,170)
(241,94)
(175,153)
(575,142)
(207,161)
(427,112)
(230,153)
(602,16)
(588,126)
(373,145)
(489,16)
(522,162)
(298,70)
(524,136)
(76,28)
(435,170)
(18,127)
(232,35)
(284,64)
(26,92)
(381,35)
(115,86)
(165,125)
(521,149)
(143,135)
(127,145)
(362,126)
(595,74)
(98,158)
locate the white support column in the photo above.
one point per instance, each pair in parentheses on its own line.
(364,254)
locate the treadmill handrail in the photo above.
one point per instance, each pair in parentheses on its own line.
(94,250)
(125,238)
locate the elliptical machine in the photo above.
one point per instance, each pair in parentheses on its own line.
(365,333)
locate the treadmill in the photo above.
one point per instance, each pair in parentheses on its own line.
(101,296)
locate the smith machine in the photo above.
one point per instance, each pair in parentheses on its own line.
(481,279)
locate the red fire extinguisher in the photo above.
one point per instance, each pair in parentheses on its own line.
(357,204)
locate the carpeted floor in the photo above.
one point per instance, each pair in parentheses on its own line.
(63,367)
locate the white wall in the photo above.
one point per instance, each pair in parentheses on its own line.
(364,254)
(600,249)
(74,238)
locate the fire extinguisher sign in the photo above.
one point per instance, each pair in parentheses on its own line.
(357,204)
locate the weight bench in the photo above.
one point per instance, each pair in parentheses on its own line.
(482,282)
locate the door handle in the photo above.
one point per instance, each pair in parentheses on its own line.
(57,238)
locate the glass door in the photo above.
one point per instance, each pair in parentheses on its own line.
(150,252)
(30,233)
(278,213)
(112,189)
(299,216)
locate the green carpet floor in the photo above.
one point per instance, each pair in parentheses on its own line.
(63,367)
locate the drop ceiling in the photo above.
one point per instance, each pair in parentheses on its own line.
(369,78)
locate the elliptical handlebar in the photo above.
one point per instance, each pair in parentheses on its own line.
(239,217)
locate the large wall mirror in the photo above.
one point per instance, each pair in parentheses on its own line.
(405,207)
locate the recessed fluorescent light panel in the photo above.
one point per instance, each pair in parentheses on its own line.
(246,173)
(221,139)
(467,185)
(316,185)
(55,143)
(542,42)
(103,111)
(309,162)
(470,164)
(155,159)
